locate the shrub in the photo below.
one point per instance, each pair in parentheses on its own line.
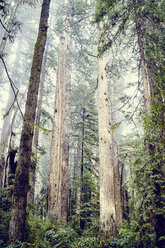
(63,237)
(36,228)
(5,203)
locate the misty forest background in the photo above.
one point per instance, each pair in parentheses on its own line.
(82,123)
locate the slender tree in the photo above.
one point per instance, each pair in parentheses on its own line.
(19,202)
(84,141)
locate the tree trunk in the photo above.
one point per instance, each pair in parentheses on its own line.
(19,202)
(124,193)
(65,172)
(36,132)
(77,176)
(154,131)
(143,61)
(67,128)
(117,184)
(107,200)
(157,146)
(57,182)
(82,221)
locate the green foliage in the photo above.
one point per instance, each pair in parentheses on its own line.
(62,237)
(84,141)
(36,228)
(5,203)
(19,244)
(67,237)
(140,227)
(88,242)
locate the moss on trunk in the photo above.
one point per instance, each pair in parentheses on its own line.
(19,202)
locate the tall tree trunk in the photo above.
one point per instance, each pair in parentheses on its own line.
(65,172)
(117,184)
(156,136)
(77,176)
(107,199)
(9,26)
(82,221)
(143,61)
(36,132)
(57,182)
(68,126)
(19,202)
(125,206)
(154,131)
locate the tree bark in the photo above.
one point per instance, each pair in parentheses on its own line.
(117,184)
(77,168)
(36,132)
(143,62)
(124,198)
(107,199)
(57,181)
(82,221)
(154,138)
(19,202)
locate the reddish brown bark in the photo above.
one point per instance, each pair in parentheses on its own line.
(58,174)
(143,61)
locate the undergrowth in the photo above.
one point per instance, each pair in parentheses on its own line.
(41,233)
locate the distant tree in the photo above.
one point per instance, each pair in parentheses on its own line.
(6,128)
(84,141)
(11,22)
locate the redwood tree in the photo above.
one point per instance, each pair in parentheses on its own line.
(107,198)
(57,182)
(19,202)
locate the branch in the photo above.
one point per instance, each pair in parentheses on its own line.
(92,55)
(127,101)
(131,117)
(12,86)
(93,92)
(4,26)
